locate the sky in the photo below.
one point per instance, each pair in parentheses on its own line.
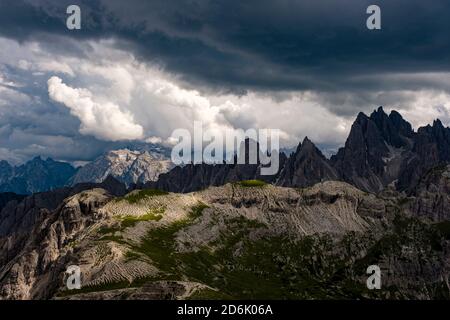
(138,70)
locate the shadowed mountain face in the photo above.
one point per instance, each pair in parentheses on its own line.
(7,197)
(194,177)
(382,149)
(374,151)
(431,148)
(34,176)
(306,167)
(20,213)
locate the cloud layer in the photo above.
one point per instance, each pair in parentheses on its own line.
(140,69)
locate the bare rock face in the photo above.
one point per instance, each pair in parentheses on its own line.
(19,216)
(432,195)
(31,268)
(129,167)
(306,167)
(431,148)
(374,150)
(380,150)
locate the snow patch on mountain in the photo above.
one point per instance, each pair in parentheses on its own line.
(126,166)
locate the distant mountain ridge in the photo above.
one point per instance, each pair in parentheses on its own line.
(127,166)
(380,150)
(34,176)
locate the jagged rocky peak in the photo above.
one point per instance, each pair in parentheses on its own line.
(307,148)
(393,128)
(436,137)
(193,177)
(383,149)
(365,134)
(402,126)
(438,123)
(372,153)
(127,166)
(306,167)
(307,144)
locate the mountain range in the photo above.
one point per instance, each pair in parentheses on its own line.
(225,232)
(380,150)
(36,175)
(127,166)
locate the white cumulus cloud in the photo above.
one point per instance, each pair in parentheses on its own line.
(103,120)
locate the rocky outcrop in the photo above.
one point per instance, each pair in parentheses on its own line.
(383,149)
(373,152)
(380,150)
(20,216)
(22,213)
(306,167)
(431,148)
(34,267)
(432,195)
(31,268)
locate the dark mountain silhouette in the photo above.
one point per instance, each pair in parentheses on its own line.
(36,175)
(374,150)
(7,197)
(380,150)
(192,177)
(307,166)
(431,148)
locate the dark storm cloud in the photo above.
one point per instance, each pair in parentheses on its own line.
(268,46)
(260,44)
